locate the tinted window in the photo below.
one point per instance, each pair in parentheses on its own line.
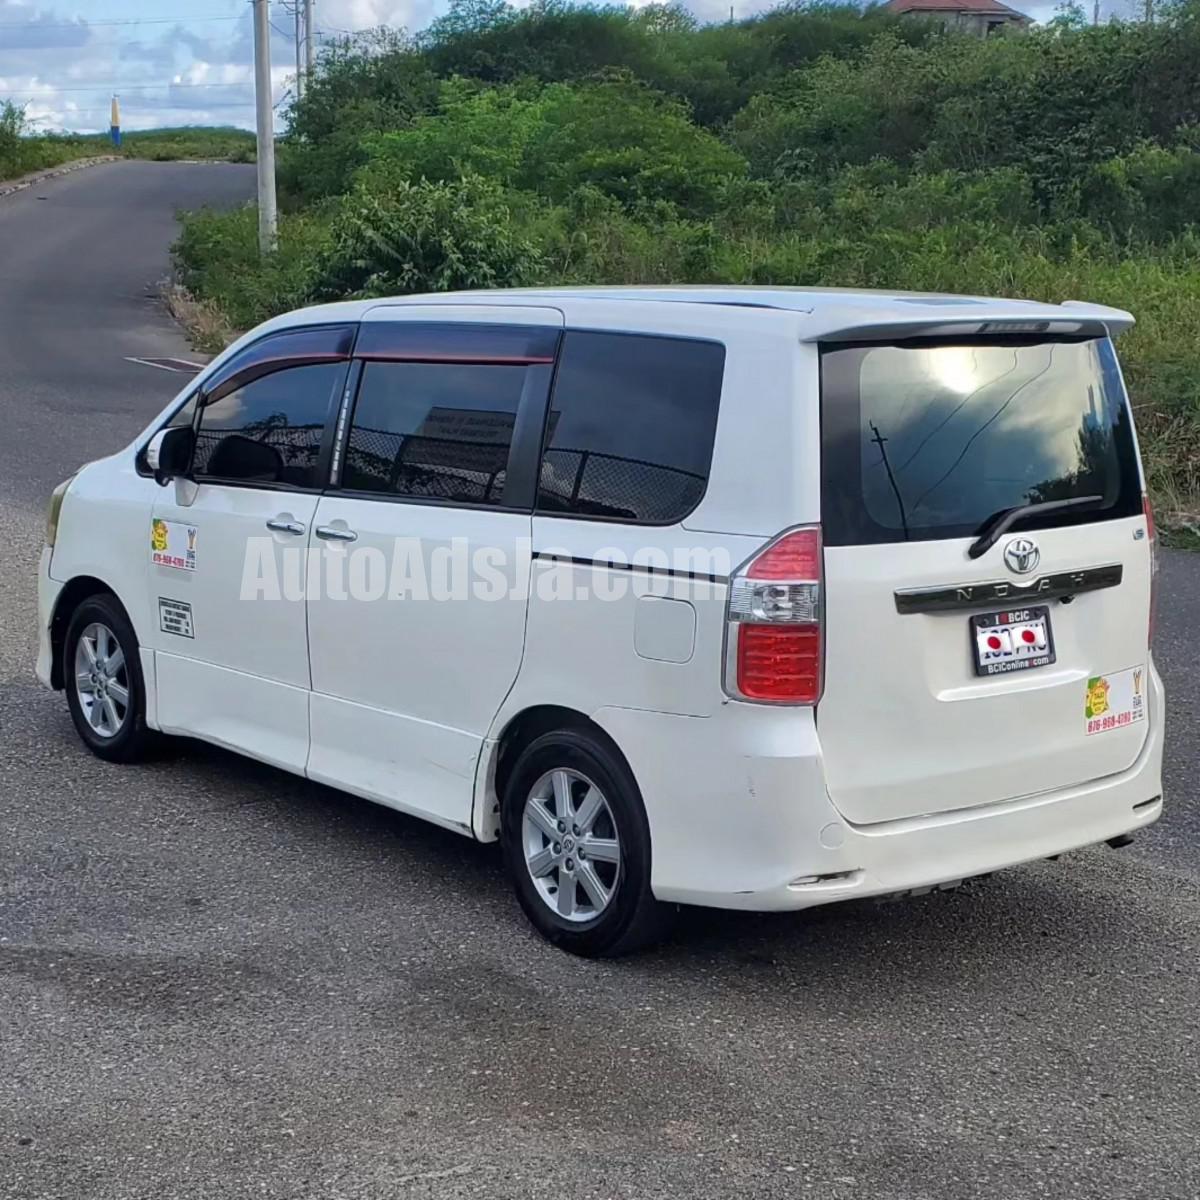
(631,427)
(927,441)
(436,431)
(270,431)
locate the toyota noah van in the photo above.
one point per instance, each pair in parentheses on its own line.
(747,598)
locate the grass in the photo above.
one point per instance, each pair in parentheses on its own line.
(1182,537)
(207,328)
(40,154)
(168,145)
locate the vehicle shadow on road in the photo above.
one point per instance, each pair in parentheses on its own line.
(1043,916)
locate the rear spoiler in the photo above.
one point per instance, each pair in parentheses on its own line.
(1070,319)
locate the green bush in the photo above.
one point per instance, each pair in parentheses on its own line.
(218,260)
(415,237)
(615,136)
(22,154)
(814,145)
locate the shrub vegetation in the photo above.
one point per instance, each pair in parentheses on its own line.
(813,145)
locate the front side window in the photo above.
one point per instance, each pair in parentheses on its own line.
(631,427)
(434,431)
(927,441)
(270,431)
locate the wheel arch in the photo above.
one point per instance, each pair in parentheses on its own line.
(501,753)
(73,594)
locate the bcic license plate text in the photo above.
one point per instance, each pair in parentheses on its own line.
(1012,640)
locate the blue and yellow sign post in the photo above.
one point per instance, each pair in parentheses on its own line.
(115,128)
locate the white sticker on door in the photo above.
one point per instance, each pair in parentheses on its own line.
(1114,701)
(173,545)
(175,616)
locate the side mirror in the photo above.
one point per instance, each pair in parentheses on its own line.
(169,453)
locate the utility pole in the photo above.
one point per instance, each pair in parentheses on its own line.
(265,122)
(300,50)
(310,38)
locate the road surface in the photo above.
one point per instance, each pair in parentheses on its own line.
(219,981)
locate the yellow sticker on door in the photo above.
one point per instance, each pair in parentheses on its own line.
(1114,701)
(173,545)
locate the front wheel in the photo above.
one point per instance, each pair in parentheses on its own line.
(577,844)
(103,677)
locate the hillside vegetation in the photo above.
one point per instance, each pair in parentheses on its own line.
(812,145)
(23,153)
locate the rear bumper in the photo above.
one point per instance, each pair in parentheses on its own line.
(757,831)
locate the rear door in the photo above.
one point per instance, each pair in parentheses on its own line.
(954,681)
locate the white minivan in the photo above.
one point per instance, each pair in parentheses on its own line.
(748,598)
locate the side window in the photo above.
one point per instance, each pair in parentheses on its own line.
(271,430)
(438,431)
(631,427)
(185,416)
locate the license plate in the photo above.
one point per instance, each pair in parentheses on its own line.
(1013,640)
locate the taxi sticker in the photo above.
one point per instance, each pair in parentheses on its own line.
(1114,701)
(173,545)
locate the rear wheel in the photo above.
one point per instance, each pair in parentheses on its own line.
(577,845)
(103,677)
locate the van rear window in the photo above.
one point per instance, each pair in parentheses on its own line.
(924,441)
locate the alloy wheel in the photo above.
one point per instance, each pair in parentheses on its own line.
(571,847)
(102,680)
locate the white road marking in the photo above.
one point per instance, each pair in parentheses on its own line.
(184,367)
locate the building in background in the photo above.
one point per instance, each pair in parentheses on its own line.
(983,17)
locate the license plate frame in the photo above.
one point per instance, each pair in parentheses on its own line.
(1003,624)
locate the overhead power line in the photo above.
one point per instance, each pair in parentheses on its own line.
(142,87)
(83,22)
(198,107)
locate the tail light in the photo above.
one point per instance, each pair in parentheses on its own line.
(774,639)
(1152,538)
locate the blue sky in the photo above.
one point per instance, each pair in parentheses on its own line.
(187,63)
(172,62)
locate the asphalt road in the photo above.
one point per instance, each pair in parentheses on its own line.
(219,981)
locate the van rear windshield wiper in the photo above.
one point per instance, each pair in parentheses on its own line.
(999,523)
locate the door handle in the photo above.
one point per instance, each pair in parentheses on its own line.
(281,526)
(332,534)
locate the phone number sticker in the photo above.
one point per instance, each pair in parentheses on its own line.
(172,545)
(1114,701)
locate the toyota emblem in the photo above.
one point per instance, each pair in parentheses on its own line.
(1022,555)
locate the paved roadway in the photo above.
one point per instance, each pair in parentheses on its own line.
(219,981)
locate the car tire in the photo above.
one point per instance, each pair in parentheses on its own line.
(109,706)
(561,861)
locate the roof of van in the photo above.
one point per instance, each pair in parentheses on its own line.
(824,313)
